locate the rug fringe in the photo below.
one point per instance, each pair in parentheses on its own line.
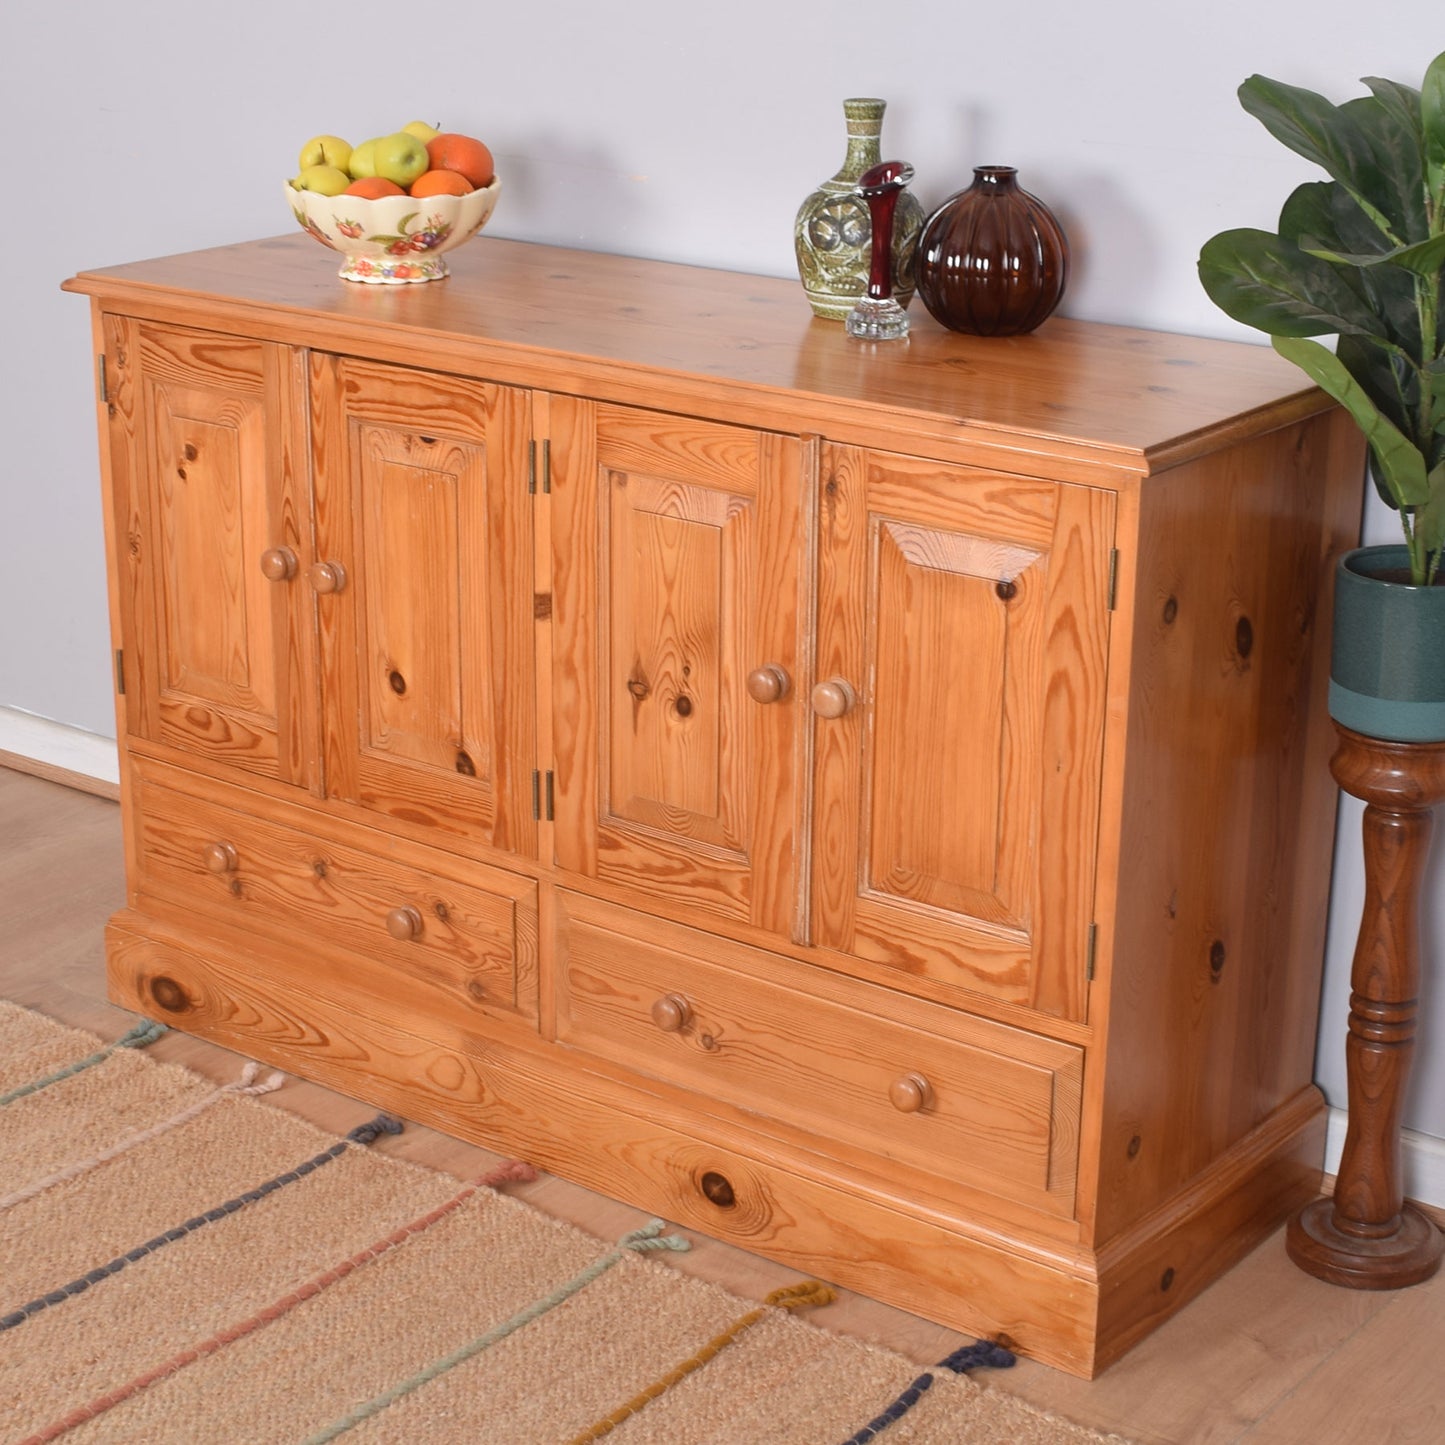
(143,1034)
(980,1353)
(790,1297)
(245,1085)
(649,1238)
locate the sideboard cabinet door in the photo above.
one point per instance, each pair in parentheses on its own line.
(677,557)
(210,496)
(423,585)
(962,650)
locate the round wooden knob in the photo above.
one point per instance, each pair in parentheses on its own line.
(278,564)
(671,1012)
(221,858)
(833,698)
(910,1093)
(327,576)
(404,923)
(768,683)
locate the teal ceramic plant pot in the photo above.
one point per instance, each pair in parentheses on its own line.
(1387,665)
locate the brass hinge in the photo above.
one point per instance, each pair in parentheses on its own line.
(1113,577)
(120,671)
(1093,948)
(104,385)
(546,468)
(542,796)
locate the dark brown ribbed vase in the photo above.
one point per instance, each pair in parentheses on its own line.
(992,260)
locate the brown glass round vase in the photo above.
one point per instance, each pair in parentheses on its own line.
(992,260)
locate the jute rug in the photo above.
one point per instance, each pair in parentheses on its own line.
(186,1263)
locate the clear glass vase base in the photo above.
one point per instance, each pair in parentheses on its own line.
(872,320)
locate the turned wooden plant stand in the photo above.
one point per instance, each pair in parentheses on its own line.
(1367,1236)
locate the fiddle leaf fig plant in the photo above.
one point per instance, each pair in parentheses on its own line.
(1360,256)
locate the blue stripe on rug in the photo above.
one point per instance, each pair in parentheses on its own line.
(361,1135)
(961,1360)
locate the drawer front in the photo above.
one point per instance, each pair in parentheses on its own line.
(974,1101)
(465,943)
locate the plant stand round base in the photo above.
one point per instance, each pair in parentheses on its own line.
(1409,1255)
(1366,1236)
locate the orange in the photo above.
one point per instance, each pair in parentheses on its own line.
(461,153)
(373,188)
(441,183)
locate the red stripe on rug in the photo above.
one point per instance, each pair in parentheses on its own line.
(513,1171)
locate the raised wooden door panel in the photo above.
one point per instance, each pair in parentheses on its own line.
(963,623)
(208,477)
(423,544)
(677,565)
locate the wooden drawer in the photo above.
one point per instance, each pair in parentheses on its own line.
(466,944)
(957,1096)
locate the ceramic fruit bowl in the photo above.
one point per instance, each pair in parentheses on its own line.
(395,239)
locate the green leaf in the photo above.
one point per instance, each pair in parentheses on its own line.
(1325,211)
(1435,375)
(1400,158)
(1269,283)
(1402,101)
(1430,516)
(1323,133)
(1391,384)
(1424,258)
(1432,118)
(1400,460)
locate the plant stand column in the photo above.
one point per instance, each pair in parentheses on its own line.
(1367,1237)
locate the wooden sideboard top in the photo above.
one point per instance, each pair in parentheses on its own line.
(1127,399)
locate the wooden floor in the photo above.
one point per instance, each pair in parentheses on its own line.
(1267,1355)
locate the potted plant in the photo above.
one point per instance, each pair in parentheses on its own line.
(1361,256)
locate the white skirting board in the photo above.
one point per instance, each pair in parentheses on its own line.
(92,756)
(58,745)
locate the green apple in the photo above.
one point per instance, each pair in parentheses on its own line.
(401,158)
(325,180)
(421,130)
(325,150)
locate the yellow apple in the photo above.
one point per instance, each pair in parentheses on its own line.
(400,157)
(421,130)
(325,150)
(362,164)
(326,180)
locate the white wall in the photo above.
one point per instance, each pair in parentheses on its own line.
(651,128)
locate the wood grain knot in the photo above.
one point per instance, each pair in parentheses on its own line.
(1006,589)
(189,451)
(683,706)
(1171,611)
(169,995)
(1135,1144)
(717,1189)
(638,687)
(1244,637)
(465,766)
(1166,1281)
(396,682)
(1216,960)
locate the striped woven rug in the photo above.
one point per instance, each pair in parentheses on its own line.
(182,1262)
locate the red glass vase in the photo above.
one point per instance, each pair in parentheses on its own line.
(992,260)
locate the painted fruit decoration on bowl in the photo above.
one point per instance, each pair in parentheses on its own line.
(393,204)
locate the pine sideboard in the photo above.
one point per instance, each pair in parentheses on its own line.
(868,803)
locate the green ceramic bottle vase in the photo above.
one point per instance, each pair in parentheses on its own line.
(832,234)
